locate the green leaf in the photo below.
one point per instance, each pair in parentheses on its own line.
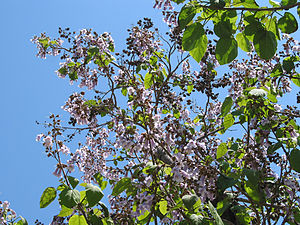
(107,221)
(288,63)
(215,214)
(228,121)
(93,51)
(272,97)
(104,209)
(124,91)
(77,220)
(62,187)
(163,207)
(176,113)
(252,191)
(65,211)
(221,150)
(73,181)
(226,106)
(44,42)
(93,194)
(144,217)
(47,197)
(95,220)
(253,27)
(243,42)
(277,70)
(288,2)
(148,80)
(196,219)
(223,205)
(190,88)
(73,75)
(265,44)
(186,15)
(102,183)
(223,29)
(288,23)
(63,70)
(226,50)
(271,25)
(296,80)
(121,186)
(195,41)
(22,221)
(69,198)
(189,201)
(225,182)
(295,160)
(252,176)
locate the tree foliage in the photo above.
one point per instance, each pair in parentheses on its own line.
(159,119)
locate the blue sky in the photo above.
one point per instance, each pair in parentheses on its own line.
(31,89)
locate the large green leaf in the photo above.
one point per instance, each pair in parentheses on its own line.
(186,15)
(189,201)
(243,42)
(93,194)
(253,191)
(104,209)
(47,197)
(271,25)
(265,44)
(223,29)
(99,178)
(296,80)
(74,181)
(121,186)
(95,220)
(77,220)
(288,63)
(295,160)
(288,23)
(69,198)
(226,106)
(163,207)
(221,150)
(225,182)
(148,81)
(228,121)
(65,211)
(215,214)
(226,50)
(22,221)
(195,41)
(196,219)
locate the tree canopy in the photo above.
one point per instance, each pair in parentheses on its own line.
(176,128)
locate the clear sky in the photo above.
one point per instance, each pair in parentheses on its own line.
(31,89)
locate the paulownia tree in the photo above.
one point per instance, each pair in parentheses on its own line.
(182,130)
